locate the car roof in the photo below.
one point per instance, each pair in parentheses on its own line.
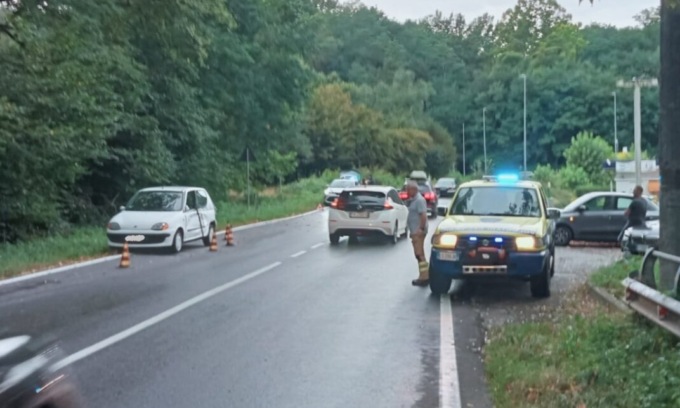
(172,188)
(377,189)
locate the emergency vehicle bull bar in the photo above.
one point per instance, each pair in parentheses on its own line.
(643,297)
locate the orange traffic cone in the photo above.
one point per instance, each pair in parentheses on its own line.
(230,236)
(226,232)
(125,257)
(213,242)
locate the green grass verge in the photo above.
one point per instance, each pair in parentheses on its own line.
(84,243)
(587,357)
(610,277)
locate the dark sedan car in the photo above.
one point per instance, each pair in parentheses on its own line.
(445,187)
(428,193)
(29,377)
(597,216)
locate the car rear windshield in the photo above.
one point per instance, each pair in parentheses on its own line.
(357,200)
(497,201)
(155,201)
(343,183)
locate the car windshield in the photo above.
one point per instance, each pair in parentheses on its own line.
(155,201)
(498,201)
(343,183)
(445,182)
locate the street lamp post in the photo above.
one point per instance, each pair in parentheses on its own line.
(484,135)
(636,84)
(525,123)
(463,148)
(616,137)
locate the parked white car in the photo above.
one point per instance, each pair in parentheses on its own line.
(365,211)
(164,217)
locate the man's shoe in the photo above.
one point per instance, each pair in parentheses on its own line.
(420,282)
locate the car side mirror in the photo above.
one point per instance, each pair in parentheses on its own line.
(121,208)
(554,214)
(582,208)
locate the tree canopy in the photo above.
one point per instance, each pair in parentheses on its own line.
(100,98)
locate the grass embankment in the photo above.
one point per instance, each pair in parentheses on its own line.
(588,356)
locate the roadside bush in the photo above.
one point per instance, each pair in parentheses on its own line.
(571,177)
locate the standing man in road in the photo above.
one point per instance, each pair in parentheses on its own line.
(636,212)
(417,225)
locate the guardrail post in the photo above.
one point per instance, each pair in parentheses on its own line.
(646,275)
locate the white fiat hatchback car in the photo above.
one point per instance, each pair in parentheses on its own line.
(365,211)
(163,217)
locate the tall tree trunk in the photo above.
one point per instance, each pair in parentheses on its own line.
(669,138)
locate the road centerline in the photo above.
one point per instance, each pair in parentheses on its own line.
(295,255)
(116,338)
(319,245)
(449,387)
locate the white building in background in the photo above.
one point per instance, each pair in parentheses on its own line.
(625,176)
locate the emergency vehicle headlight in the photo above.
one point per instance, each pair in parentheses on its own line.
(525,243)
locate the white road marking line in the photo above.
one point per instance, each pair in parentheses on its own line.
(58,270)
(449,388)
(319,245)
(295,255)
(116,338)
(116,257)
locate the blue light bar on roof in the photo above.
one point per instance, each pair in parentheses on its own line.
(508,177)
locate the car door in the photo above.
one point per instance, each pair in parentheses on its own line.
(617,215)
(192,217)
(591,222)
(206,211)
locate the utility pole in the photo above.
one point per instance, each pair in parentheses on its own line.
(484,133)
(463,148)
(636,84)
(525,123)
(616,137)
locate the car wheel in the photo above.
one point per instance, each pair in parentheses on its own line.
(563,235)
(540,285)
(208,238)
(334,238)
(395,234)
(439,283)
(177,242)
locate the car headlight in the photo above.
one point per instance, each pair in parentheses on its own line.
(161,226)
(525,243)
(445,240)
(113,226)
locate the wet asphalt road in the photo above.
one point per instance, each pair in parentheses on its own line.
(283,319)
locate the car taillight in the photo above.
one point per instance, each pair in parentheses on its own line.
(388,205)
(403,195)
(429,195)
(338,204)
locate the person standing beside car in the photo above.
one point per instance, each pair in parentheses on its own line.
(417,225)
(636,212)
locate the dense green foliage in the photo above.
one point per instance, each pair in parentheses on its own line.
(99,98)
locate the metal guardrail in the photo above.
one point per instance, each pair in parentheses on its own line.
(643,297)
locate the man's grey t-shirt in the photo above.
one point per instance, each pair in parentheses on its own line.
(638,212)
(416,206)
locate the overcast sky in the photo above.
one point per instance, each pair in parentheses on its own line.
(615,12)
